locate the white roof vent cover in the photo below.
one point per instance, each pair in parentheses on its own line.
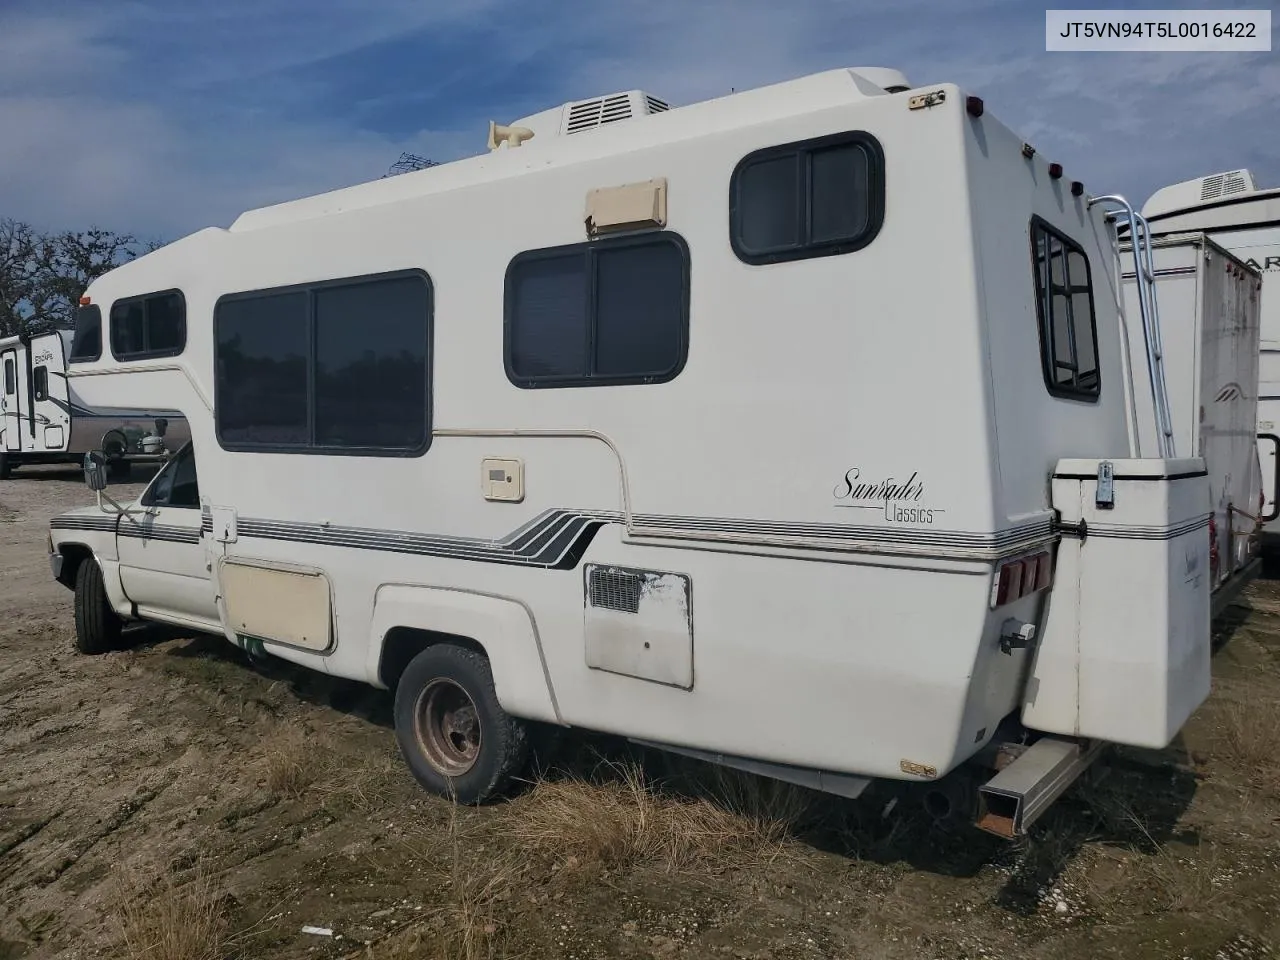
(1225,184)
(588,114)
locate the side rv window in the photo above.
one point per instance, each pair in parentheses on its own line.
(594,314)
(40,383)
(150,326)
(812,198)
(338,367)
(1064,311)
(86,344)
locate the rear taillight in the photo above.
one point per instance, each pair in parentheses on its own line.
(1021,577)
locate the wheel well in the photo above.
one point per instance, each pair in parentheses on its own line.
(402,644)
(73,554)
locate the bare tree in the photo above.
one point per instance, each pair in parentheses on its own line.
(43,276)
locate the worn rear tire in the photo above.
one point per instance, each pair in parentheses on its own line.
(470,769)
(97,625)
(6,466)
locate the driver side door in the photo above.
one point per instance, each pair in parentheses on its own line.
(164,565)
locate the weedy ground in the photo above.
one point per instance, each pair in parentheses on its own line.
(174,801)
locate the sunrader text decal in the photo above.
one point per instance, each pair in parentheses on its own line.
(898,500)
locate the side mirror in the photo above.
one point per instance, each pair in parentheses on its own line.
(95,471)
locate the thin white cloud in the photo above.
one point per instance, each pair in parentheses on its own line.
(235,125)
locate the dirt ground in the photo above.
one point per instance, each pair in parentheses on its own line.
(175,800)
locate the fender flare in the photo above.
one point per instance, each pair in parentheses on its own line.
(504,629)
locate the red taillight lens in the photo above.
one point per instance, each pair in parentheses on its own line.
(1021,577)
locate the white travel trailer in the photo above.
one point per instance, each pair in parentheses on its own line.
(1245,219)
(669,423)
(43,420)
(1209,330)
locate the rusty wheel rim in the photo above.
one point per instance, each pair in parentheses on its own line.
(447,727)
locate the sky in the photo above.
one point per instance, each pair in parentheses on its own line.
(161,117)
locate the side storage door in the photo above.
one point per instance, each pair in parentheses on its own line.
(163,561)
(10,409)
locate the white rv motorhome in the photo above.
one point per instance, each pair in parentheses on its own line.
(43,420)
(1243,218)
(1209,333)
(787,430)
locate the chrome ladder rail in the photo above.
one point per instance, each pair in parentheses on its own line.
(1144,276)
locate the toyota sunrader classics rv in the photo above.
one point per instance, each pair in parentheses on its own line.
(42,419)
(788,430)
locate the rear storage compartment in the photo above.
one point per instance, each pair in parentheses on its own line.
(1123,654)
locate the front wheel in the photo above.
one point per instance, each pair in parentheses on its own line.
(97,625)
(456,738)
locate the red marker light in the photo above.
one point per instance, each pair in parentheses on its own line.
(84,301)
(1055,171)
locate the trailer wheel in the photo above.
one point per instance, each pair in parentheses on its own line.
(6,466)
(97,625)
(452,732)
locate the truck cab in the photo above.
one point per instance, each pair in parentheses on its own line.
(153,558)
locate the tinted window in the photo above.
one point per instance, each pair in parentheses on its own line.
(262,369)
(150,326)
(40,383)
(808,199)
(1064,311)
(639,310)
(10,386)
(341,366)
(549,333)
(371,364)
(614,311)
(87,342)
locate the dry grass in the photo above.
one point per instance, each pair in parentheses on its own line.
(292,762)
(625,820)
(165,920)
(1251,740)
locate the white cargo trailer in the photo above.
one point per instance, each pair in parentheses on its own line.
(1243,218)
(43,420)
(673,423)
(1209,328)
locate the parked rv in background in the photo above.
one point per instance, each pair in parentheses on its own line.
(43,421)
(1244,219)
(1209,323)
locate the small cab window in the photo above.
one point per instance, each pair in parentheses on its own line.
(812,198)
(608,312)
(1064,312)
(40,382)
(151,326)
(86,344)
(340,366)
(175,485)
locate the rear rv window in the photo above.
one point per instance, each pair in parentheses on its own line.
(86,345)
(151,326)
(1064,310)
(608,312)
(814,198)
(340,366)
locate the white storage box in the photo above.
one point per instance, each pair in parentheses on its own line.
(1123,653)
